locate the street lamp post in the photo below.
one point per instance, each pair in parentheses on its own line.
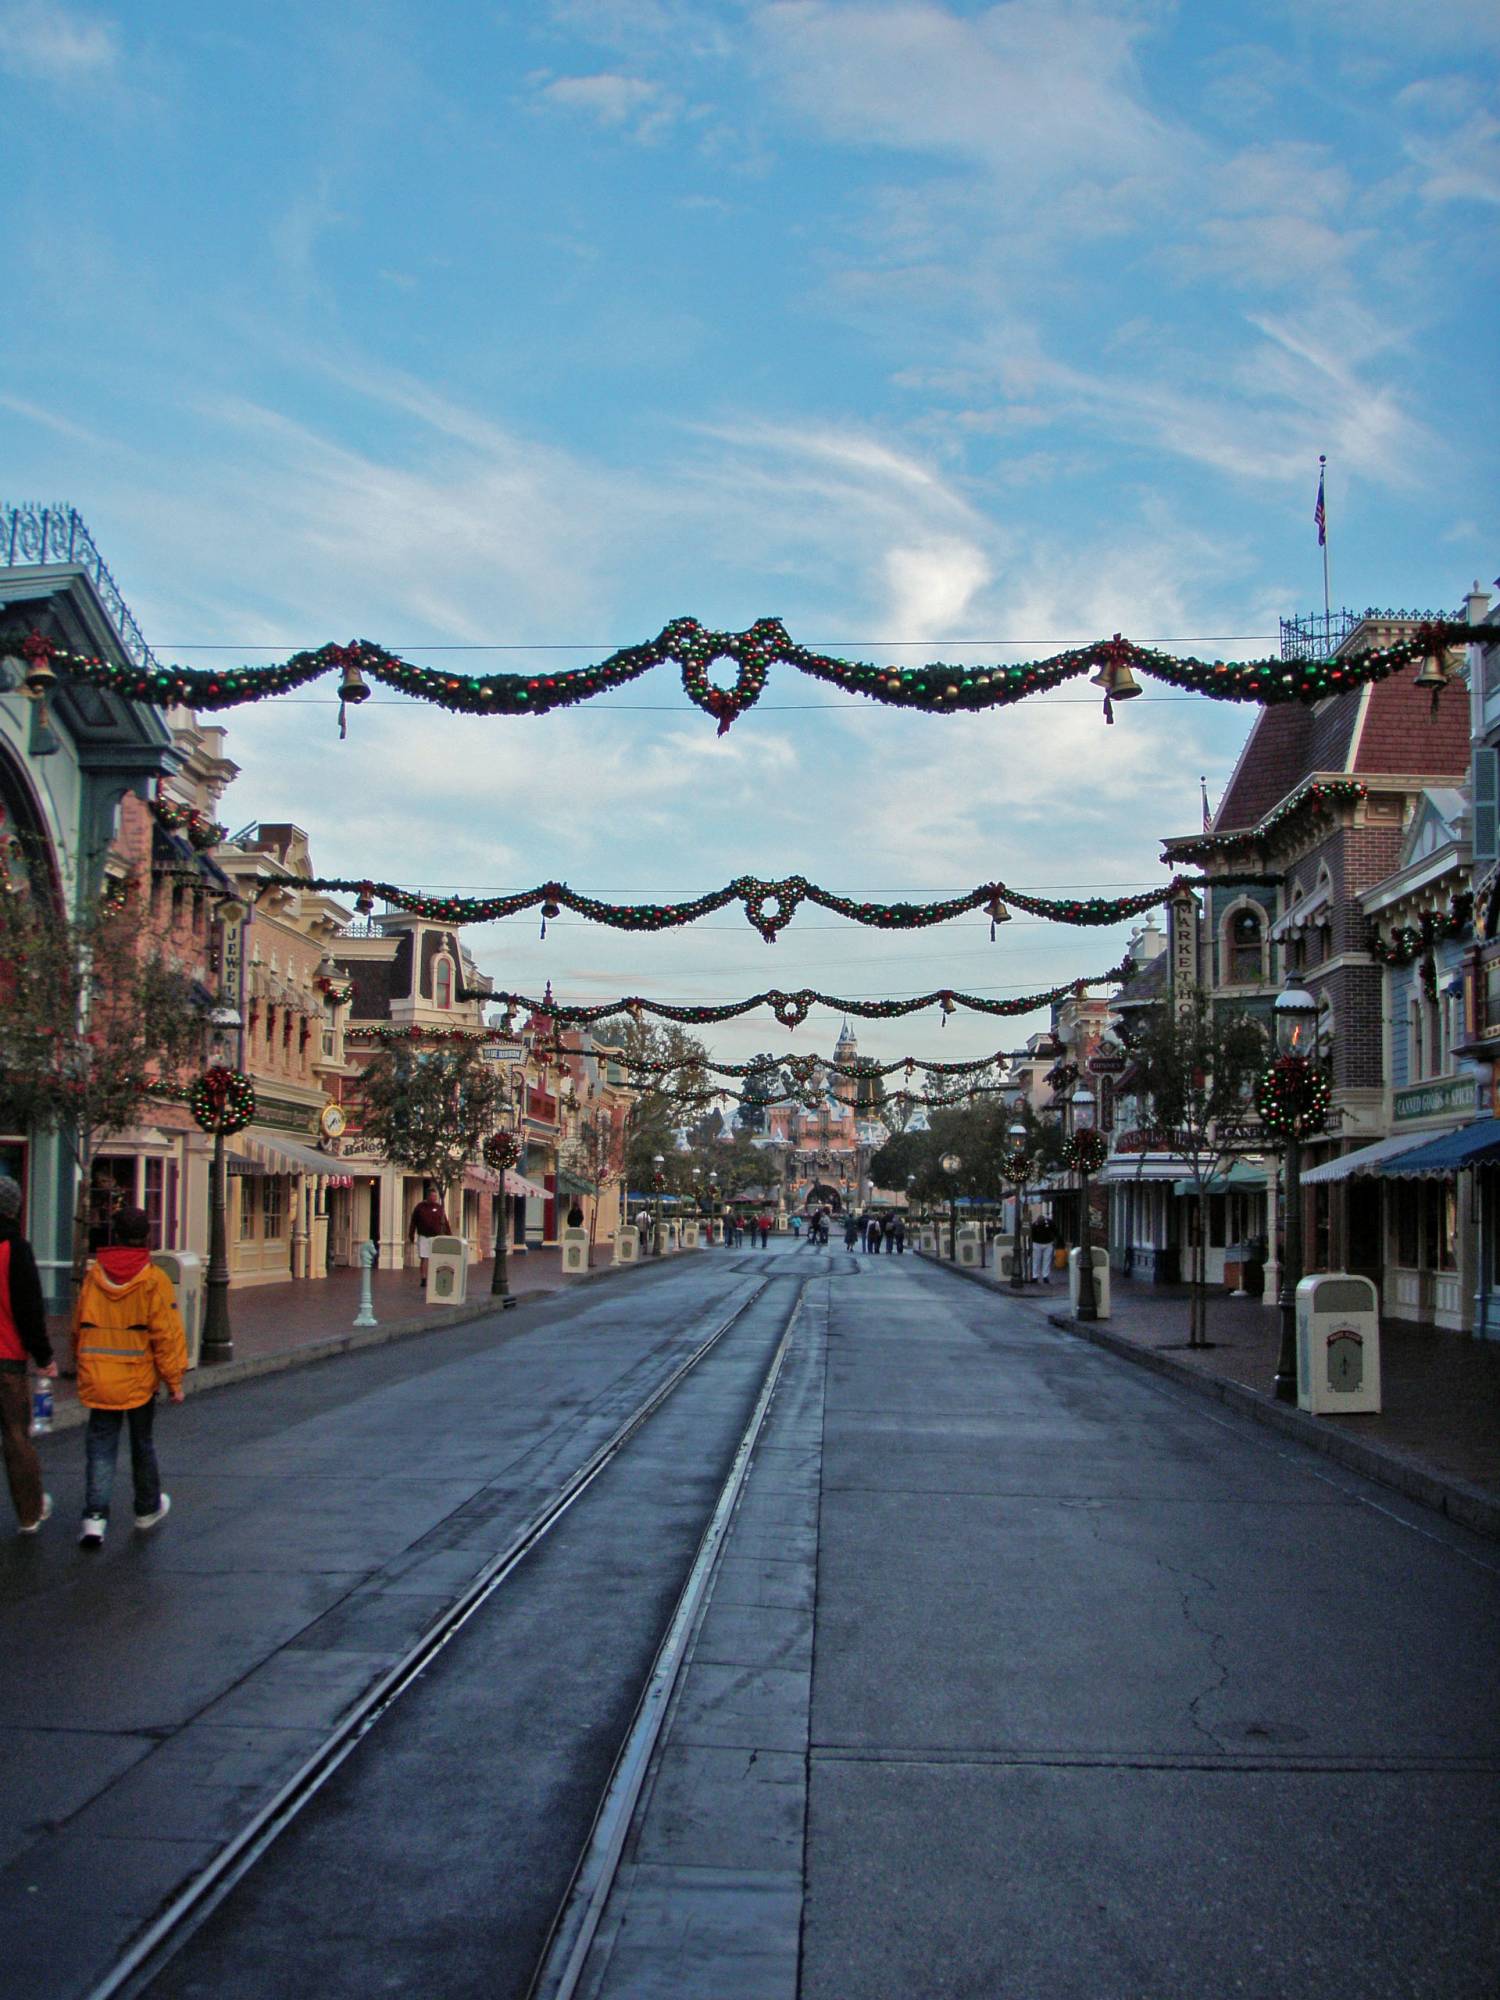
(1088,1297)
(1296,1031)
(218,1340)
(713,1201)
(952,1165)
(1020,1154)
(658,1161)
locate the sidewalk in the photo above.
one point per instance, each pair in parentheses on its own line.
(1437,1438)
(276,1326)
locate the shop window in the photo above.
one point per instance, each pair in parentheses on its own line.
(1246,948)
(273,1207)
(247,1209)
(153,1200)
(1416,1064)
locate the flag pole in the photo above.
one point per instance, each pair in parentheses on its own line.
(1323,535)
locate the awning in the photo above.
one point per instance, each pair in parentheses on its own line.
(1303,915)
(1475,1145)
(282,1156)
(518,1184)
(1124,1167)
(1367,1160)
(1241,1178)
(571,1183)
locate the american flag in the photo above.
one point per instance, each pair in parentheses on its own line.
(1320,516)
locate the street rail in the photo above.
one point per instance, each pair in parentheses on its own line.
(188,1909)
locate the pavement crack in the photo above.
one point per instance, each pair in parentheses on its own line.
(1197,1593)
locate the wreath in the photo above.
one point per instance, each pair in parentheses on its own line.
(1085,1152)
(1293,1098)
(1016,1166)
(501,1150)
(222,1100)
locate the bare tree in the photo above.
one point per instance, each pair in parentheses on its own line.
(431,1109)
(1197,1067)
(96,1019)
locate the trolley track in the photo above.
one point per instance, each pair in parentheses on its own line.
(158,1960)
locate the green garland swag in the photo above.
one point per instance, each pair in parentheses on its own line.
(768,905)
(934,689)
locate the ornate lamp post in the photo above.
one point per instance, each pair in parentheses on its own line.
(952,1166)
(658,1161)
(1018,1173)
(1293,1101)
(713,1200)
(502,1151)
(1086,1149)
(218,1339)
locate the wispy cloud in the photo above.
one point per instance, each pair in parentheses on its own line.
(42,41)
(623,103)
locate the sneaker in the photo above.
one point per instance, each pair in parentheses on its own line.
(163,1509)
(45,1515)
(92,1534)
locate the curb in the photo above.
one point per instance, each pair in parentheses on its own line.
(1457,1499)
(225,1374)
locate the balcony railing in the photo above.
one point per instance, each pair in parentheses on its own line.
(32,534)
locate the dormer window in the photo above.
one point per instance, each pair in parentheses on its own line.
(442,982)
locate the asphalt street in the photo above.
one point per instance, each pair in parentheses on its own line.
(1023,1673)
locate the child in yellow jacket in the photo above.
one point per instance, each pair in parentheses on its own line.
(128,1339)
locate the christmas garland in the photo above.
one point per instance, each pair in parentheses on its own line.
(792,1009)
(1323,796)
(1410,941)
(1085,1152)
(341,994)
(196,828)
(932,689)
(803,1068)
(1293,1098)
(811,1100)
(768,905)
(501,1150)
(222,1100)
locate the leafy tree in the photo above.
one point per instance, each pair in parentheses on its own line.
(431,1109)
(96,1018)
(756,1088)
(662,1104)
(595,1153)
(1196,1068)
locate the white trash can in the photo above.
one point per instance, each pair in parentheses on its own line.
(627,1246)
(575,1251)
(690,1236)
(1100,1258)
(185,1269)
(448,1271)
(1338,1344)
(970,1246)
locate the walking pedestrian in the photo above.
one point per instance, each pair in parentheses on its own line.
(23,1340)
(643,1229)
(898,1230)
(1043,1235)
(851,1230)
(128,1338)
(763,1223)
(428,1219)
(872,1234)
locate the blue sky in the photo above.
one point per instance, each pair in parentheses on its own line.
(537,325)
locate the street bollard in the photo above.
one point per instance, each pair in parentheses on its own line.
(366,1314)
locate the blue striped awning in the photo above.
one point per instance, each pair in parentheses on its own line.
(1476,1145)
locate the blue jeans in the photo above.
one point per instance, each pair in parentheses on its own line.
(101,1444)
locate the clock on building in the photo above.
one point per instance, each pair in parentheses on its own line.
(332,1122)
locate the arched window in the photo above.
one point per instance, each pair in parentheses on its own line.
(442,982)
(1246,947)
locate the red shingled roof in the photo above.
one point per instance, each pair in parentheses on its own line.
(1387,728)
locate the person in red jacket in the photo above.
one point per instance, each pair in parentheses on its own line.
(129,1340)
(23,1339)
(428,1219)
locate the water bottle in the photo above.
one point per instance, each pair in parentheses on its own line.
(41,1406)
